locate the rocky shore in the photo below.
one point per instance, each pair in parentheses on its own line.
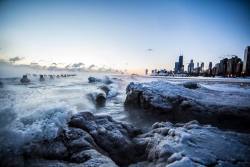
(88,140)
(187,102)
(94,141)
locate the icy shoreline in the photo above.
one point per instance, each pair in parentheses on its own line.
(60,135)
(179,103)
(100,141)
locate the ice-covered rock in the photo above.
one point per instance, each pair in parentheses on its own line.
(113,137)
(178,103)
(41,78)
(191,85)
(95,141)
(98,97)
(192,144)
(105,80)
(25,79)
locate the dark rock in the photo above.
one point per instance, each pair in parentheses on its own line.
(93,141)
(105,80)
(191,85)
(177,103)
(113,137)
(93,80)
(98,97)
(105,88)
(25,79)
(41,78)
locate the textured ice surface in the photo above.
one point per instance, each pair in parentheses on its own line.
(192,144)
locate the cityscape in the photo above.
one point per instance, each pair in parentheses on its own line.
(124,83)
(227,67)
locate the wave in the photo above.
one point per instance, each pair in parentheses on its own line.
(43,123)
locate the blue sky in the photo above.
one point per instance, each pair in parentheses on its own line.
(119,33)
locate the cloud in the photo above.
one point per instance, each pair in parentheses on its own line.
(75,67)
(15,59)
(149,50)
(78,65)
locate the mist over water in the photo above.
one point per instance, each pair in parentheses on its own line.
(39,110)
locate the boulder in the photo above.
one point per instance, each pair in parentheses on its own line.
(25,79)
(113,137)
(93,80)
(191,85)
(72,147)
(178,103)
(192,144)
(93,141)
(41,78)
(98,97)
(105,80)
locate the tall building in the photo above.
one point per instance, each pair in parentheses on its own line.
(246,64)
(181,66)
(176,67)
(232,65)
(210,65)
(239,68)
(191,67)
(223,67)
(202,67)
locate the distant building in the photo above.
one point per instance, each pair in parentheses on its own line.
(246,64)
(202,67)
(181,66)
(239,68)
(191,66)
(216,69)
(176,67)
(146,72)
(210,65)
(232,65)
(223,67)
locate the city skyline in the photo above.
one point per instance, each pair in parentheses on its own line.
(120,35)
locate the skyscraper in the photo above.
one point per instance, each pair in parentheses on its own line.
(202,67)
(246,64)
(210,65)
(191,66)
(176,67)
(181,66)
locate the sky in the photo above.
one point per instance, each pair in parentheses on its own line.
(123,34)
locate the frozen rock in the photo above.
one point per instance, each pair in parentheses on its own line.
(191,85)
(105,80)
(25,79)
(100,141)
(192,144)
(72,147)
(41,78)
(113,137)
(105,88)
(88,141)
(98,97)
(93,79)
(178,103)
